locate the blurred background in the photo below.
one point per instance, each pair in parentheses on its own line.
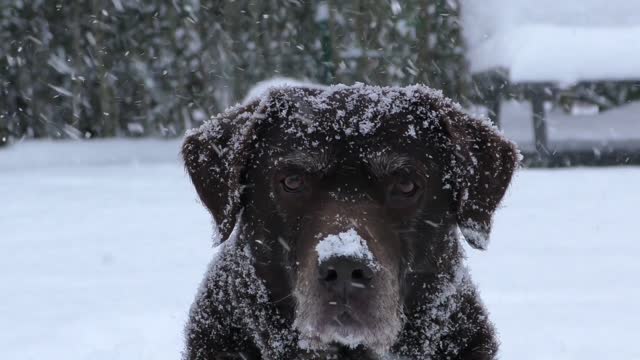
(103,241)
(560,78)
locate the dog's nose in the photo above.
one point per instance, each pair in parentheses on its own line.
(345,274)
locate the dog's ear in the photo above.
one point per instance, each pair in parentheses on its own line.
(486,162)
(215,156)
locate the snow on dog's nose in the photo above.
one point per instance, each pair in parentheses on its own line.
(346,244)
(345,264)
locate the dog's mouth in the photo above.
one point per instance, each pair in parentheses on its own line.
(341,327)
(351,325)
(346,319)
(344,316)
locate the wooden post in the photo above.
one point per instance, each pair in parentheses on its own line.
(494,107)
(488,88)
(4,129)
(540,137)
(326,45)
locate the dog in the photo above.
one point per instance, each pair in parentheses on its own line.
(340,211)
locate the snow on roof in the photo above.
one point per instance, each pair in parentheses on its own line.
(562,54)
(546,40)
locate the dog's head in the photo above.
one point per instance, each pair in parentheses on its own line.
(351,198)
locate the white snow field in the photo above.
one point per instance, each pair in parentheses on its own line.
(101,255)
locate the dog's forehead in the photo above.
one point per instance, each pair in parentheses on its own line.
(356,113)
(374,125)
(348,115)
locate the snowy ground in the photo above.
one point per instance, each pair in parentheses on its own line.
(101,254)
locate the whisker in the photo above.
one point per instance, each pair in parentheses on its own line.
(284,243)
(366,228)
(281,299)
(433,224)
(404,231)
(338,321)
(261,243)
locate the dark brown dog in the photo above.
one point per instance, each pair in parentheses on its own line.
(341,211)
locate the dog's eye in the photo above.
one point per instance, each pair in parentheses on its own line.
(403,192)
(404,187)
(293,183)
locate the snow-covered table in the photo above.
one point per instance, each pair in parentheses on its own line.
(542,47)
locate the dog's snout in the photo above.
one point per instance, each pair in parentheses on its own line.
(345,274)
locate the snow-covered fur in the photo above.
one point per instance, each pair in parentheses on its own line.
(232,312)
(257,295)
(234,315)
